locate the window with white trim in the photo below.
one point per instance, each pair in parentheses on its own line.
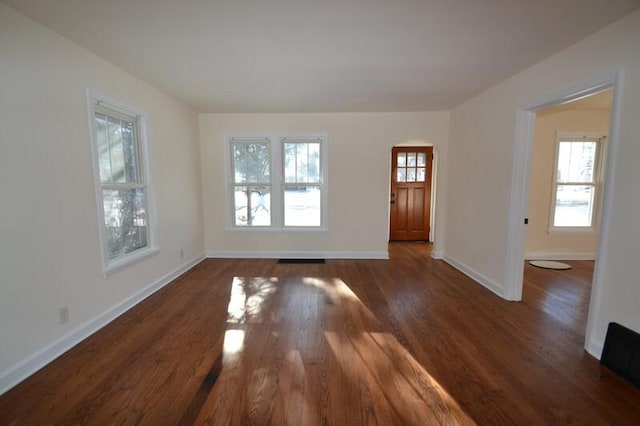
(302,182)
(251,174)
(121,175)
(277,182)
(576,183)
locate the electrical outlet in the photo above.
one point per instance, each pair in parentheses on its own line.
(63,314)
(181,253)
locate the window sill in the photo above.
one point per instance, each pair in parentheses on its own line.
(132,258)
(270,230)
(572,230)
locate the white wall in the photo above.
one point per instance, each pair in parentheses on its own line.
(481,158)
(542,244)
(49,248)
(359,148)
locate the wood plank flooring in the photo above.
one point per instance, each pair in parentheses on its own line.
(404,341)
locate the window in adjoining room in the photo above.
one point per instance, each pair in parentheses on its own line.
(576,186)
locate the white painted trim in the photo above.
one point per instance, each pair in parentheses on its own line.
(594,349)
(525,122)
(559,255)
(591,345)
(298,254)
(274,230)
(25,368)
(475,275)
(134,257)
(434,187)
(438,255)
(575,92)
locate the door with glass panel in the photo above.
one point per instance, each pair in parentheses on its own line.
(410,193)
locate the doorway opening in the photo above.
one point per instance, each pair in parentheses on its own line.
(566,183)
(518,218)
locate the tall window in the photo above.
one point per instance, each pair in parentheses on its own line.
(121,181)
(278,182)
(302,183)
(251,181)
(576,183)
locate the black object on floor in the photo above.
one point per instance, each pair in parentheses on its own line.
(301,261)
(621,352)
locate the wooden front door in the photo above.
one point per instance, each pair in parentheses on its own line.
(410,193)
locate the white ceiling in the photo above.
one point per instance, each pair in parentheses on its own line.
(324,55)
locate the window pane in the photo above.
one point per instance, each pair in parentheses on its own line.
(574,206)
(104,153)
(125,219)
(302,206)
(252,206)
(116,150)
(411,159)
(302,162)
(411,174)
(117,155)
(251,162)
(402,175)
(422,158)
(421,174)
(576,161)
(314,162)
(402,159)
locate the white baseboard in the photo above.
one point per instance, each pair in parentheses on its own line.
(438,255)
(14,375)
(474,275)
(595,349)
(559,255)
(299,254)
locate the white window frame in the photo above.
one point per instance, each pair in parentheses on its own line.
(278,186)
(101,103)
(600,139)
(232,184)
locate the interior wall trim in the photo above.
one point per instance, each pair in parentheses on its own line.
(475,275)
(560,255)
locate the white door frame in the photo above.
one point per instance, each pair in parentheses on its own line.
(525,123)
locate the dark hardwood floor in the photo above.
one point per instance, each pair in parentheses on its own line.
(404,341)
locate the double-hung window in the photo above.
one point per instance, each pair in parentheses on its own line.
(121,175)
(251,175)
(302,182)
(278,182)
(577,181)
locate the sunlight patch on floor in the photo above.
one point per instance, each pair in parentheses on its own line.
(305,350)
(247,297)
